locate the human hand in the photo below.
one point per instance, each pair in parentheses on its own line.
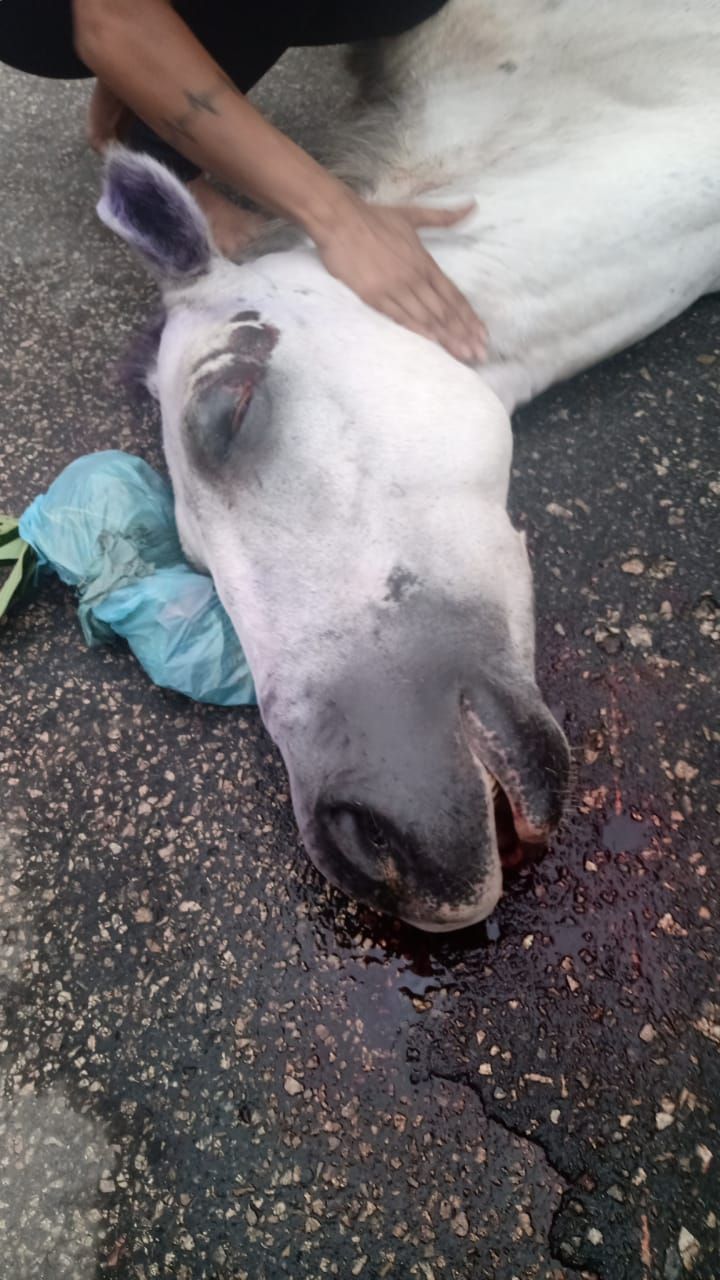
(376,251)
(106,118)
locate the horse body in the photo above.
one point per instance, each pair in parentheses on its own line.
(590,137)
(345,481)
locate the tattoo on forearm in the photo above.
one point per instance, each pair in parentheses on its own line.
(198,102)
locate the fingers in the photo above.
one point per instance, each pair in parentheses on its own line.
(442,305)
(460,317)
(428,315)
(430,304)
(419,216)
(412,310)
(464,336)
(396,311)
(430,322)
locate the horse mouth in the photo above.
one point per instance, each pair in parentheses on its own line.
(514,850)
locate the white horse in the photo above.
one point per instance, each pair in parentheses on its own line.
(345,481)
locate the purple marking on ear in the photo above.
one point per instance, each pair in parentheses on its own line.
(136,365)
(149,208)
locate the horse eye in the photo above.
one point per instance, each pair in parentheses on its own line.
(213,421)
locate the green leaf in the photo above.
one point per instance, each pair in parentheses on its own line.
(8,529)
(22,578)
(10,587)
(12,550)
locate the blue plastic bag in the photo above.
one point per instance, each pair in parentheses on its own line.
(107,527)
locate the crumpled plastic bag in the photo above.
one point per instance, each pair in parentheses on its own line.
(107,527)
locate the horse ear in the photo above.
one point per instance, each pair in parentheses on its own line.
(154,213)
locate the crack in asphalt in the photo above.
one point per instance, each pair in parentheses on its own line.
(463,1078)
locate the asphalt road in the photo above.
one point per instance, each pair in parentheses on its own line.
(215,1066)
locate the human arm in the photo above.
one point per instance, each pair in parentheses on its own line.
(146,55)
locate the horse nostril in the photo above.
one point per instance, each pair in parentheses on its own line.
(365,838)
(375,831)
